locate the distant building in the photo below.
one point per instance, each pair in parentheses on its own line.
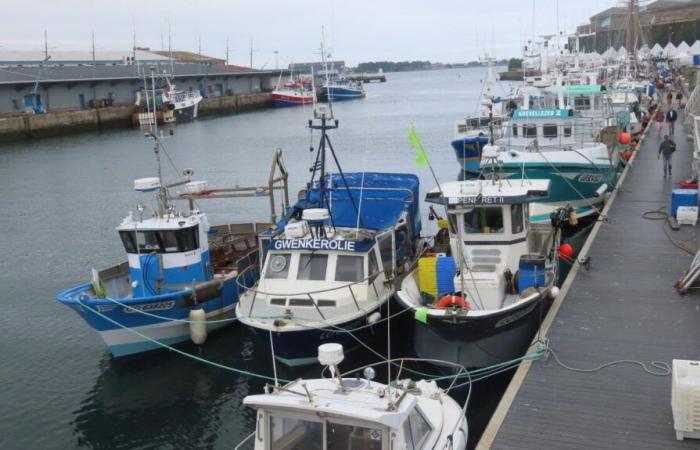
(319,67)
(80,86)
(660,22)
(189,57)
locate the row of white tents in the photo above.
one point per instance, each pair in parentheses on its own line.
(683,53)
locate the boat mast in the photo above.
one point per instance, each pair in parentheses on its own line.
(162,196)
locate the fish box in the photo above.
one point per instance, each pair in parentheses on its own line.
(685,398)
(683,197)
(687,215)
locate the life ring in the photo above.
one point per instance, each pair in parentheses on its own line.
(453,300)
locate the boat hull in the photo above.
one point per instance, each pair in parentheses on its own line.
(127,331)
(571,184)
(337,93)
(480,341)
(283,101)
(300,347)
(468,152)
(187,113)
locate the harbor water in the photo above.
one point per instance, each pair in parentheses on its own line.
(61,201)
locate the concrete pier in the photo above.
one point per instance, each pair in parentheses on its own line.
(57,123)
(624,307)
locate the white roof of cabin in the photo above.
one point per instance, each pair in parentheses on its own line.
(167,222)
(360,403)
(488,188)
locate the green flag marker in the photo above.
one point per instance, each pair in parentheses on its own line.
(421,315)
(421,155)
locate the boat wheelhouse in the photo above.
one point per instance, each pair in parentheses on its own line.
(355,413)
(554,144)
(487,302)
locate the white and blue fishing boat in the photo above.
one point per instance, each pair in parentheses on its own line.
(343,89)
(556,145)
(473,133)
(182,276)
(333,262)
(484,306)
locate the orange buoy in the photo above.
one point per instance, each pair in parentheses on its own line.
(624,138)
(566,251)
(453,300)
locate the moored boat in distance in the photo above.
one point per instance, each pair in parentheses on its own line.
(341,412)
(482,303)
(557,145)
(343,89)
(332,264)
(474,132)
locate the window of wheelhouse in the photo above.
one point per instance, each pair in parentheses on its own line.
(516,217)
(312,267)
(161,241)
(530,131)
(582,103)
(549,130)
(567,131)
(286,433)
(484,220)
(515,131)
(416,430)
(278,265)
(350,268)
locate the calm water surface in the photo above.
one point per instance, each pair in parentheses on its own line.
(62,199)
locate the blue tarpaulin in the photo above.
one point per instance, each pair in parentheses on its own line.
(379,197)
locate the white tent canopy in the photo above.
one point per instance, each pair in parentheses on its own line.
(695,48)
(670,49)
(683,47)
(657,50)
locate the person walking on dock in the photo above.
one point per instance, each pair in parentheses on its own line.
(659,118)
(671,117)
(666,149)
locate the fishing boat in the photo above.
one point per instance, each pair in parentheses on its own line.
(182,276)
(164,102)
(343,412)
(480,300)
(343,89)
(333,262)
(557,145)
(292,93)
(472,133)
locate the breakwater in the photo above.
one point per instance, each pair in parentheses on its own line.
(57,123)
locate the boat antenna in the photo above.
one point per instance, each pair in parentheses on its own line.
(325,123)
(325,68)
(162,197)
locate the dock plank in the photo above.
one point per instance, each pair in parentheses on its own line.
(624,307)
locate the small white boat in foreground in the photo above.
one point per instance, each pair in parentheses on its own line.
(352,413)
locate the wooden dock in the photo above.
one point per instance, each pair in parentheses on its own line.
(624,307)
(368,77)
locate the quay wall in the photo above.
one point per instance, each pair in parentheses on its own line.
(57,123)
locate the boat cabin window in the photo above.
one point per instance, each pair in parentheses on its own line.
(549,130)
(386,252)
(516,217)
(530,131)
(473,123)
(312,266)
(515,131)
(340,436)
(567,131)
(349,268)
(163,241)
(582,103)
(484,220)
(373,266)
(287,433)
(278,265)
(416,429)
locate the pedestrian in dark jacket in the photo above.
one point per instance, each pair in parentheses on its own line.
(671,117)
(666,149)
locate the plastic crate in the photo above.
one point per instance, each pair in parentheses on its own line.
(687,215)
(685,398)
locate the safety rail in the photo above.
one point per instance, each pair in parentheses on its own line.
(692,106)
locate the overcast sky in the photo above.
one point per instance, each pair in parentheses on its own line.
(356,30)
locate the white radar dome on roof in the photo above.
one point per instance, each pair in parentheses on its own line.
(315,214)
(330,354)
